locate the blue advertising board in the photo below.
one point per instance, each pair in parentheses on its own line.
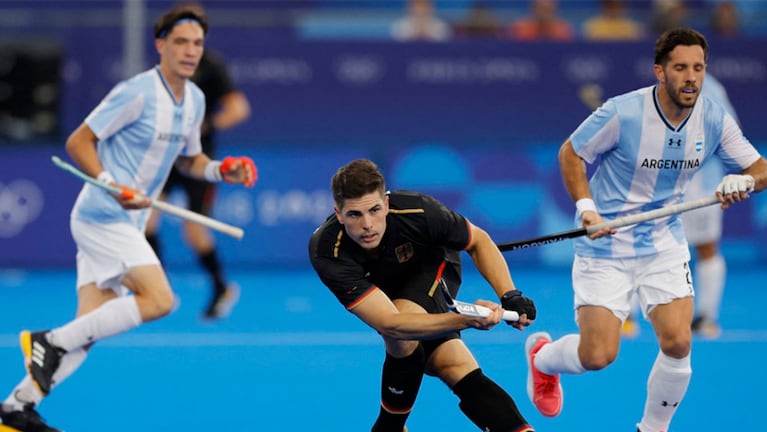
(384,93)
(477,124)
(513,194)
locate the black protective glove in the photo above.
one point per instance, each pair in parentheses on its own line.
(515,301)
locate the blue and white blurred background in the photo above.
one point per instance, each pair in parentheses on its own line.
(476,121)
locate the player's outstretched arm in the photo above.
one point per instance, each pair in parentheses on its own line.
(378,311)
(232,169)
(492,266)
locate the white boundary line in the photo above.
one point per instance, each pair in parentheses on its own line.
(340,339)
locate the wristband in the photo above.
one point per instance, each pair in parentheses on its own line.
(584,205)
(105,177)
(213,171)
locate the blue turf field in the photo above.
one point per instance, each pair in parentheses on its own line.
(290,358)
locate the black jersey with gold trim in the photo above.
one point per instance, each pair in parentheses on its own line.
(421,233)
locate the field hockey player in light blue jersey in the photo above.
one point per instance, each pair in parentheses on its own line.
(647,144)
(703,228)
(130,140)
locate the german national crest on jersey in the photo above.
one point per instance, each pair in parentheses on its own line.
(404,252)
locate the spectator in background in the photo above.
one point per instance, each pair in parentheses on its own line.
(667,15)
(480,22)
(421,23)
(543,23)
(725,20)
(612,23)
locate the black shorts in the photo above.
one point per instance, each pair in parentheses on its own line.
(421,289)
(199,193)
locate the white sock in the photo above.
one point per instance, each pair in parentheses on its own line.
(709,278)
(26,392)
(666,386)
(69,364)
(113,317)
(560,356)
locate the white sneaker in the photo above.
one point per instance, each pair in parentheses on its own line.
(222,304)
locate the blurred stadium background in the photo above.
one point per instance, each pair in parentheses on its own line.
(476,121)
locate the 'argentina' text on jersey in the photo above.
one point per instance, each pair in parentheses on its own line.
(644,161)
(673,164)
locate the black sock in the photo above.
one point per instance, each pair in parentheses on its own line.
(209,261)
(400,381)
(488,405)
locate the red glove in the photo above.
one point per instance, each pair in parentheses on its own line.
(231,163)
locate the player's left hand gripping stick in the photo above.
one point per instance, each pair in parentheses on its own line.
(230,163)
(104,178)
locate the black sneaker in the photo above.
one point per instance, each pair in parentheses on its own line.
(221,304)
(25,420)
(705,327)
(41,359)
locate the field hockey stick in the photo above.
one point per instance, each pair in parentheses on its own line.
(616,223)
(159,205)
(471,309)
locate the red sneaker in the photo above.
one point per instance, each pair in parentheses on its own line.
(544,390)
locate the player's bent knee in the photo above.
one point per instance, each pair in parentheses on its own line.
(155,306)
(400,348)
(597,361)
(165,305)
(676,346)
(676,350)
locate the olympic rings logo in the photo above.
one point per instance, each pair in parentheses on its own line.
(21,202)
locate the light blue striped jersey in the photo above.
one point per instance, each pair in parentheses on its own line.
(710,174)
(645,163)
(141,131)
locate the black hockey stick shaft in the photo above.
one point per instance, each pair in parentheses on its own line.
(616,223)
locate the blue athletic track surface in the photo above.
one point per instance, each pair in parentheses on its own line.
(291,359)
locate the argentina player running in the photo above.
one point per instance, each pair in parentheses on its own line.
(144,126)
(647,145)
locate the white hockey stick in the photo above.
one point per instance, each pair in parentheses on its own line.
(615,223)
(471,309)
(159,205)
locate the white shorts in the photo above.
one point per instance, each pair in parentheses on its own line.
(613,283)
(703,225)
(105,252)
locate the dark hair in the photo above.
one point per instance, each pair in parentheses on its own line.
(356,179)
(679,36)
(187,11)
